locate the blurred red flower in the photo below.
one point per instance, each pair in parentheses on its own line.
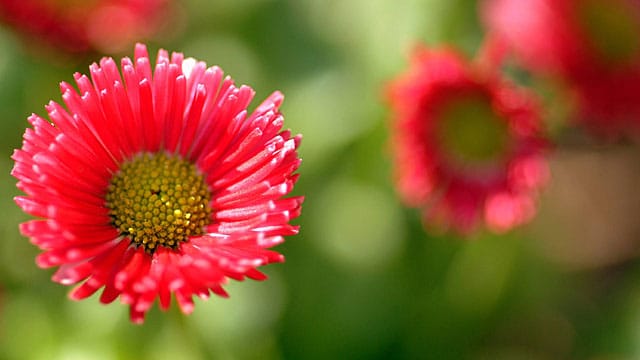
(467,144)
(592,45)
(81,26)
(157,182)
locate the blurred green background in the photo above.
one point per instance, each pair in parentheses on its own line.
(362,280)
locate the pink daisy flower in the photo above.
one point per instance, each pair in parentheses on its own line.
(157,182)
(83,26)
(592,45)
(467,144)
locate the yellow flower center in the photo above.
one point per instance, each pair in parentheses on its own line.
(159,200)
(613,28)
(471,133)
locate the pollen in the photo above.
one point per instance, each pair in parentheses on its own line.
(158,200)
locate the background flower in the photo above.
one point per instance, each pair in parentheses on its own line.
(467,143)
(83,26)
(590,45)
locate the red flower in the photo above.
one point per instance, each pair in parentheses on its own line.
(82,26)
(467,145)
(157,182)
(593,45)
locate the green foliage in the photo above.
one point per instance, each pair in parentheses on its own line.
(363,280)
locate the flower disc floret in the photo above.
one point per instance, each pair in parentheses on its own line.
(471,132)
(159,200)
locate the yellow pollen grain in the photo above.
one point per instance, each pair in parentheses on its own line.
(158,200)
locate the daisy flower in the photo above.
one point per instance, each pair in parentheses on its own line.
(157,181)
(467,144)
(592,46)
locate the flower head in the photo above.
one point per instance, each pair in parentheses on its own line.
(467,144)
(157,182)
(592,45)
(82,26)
